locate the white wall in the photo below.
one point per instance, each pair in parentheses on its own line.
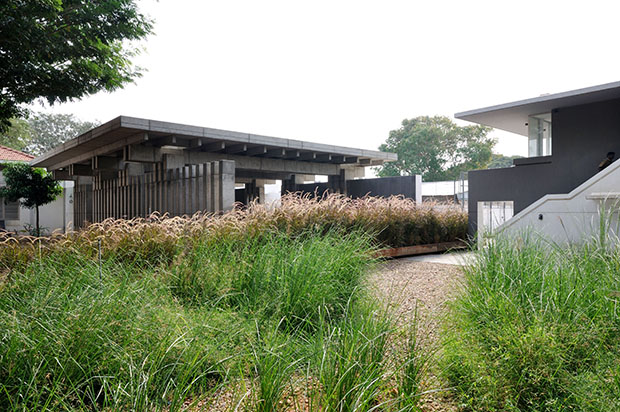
(575,216)
(57,215)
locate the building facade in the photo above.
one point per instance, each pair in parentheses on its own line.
(131,167)
(569,135)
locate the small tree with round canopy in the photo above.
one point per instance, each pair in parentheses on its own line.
(32,187)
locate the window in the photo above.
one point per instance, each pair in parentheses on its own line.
(539,134)
(9,210)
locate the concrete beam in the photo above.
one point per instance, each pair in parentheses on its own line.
(102,150)
(254,151)
(62,175)
(142,154)
(173,141)
(235,148)
(134,169)
(212,147)
(307,156)
(265,164)
(100,163)
(81,170)
(279,152)
(354,172)
(248,175)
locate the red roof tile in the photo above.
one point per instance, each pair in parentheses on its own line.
(6,153)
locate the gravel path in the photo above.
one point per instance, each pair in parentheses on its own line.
(406,285)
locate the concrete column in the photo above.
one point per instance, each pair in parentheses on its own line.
(289,185)
(261,194)
(337,183)
(226,185)
(214,179)
(418,189)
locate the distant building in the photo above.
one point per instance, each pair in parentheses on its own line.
(448,191)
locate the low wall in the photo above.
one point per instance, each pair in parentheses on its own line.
(407,186)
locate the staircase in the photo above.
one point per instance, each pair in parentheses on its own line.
(575,216)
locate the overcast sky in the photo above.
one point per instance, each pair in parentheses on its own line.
(348,72)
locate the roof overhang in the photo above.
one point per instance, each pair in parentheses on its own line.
(513,117)
(113,136)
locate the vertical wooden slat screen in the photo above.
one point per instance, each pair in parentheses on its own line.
(179,191)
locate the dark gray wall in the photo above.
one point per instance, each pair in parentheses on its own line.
(383,187)
(315,189)
(582,136)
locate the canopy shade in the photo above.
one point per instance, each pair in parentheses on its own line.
(513,117)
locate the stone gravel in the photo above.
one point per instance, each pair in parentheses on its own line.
(409,287)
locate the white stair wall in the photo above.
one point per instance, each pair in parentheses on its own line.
(571,217)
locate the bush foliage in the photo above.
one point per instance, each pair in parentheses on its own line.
(392,222)
(255,304)
(537,328)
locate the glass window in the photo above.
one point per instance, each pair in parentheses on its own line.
(539,135)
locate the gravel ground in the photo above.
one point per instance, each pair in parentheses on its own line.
(405,284)
(408,285)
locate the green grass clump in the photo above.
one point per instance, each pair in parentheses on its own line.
(278,277)
(158,313)
(273,311)
(73,340)
(537,328)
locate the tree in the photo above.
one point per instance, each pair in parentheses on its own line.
(499,161)
(437,148)
(49,130)
(33,187)
(17,136)
(60,50)
(43,131)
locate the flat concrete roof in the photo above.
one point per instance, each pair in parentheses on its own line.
(513,116)
(122,131)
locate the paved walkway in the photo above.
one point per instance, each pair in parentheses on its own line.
(451,258)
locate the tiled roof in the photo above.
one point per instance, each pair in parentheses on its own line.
(12,155)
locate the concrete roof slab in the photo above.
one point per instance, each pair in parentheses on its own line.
(110,135)
(513,116)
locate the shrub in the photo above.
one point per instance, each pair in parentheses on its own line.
(392,222)
(176,306)
(535,327)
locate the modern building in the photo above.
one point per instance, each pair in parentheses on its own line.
(131,167)
(53,216)
(558,189)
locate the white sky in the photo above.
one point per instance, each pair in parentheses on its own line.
(348,72)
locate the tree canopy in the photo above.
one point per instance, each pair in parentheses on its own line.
(33,187)
(17,136)
(59,50)
(49,130)
(500,161)
(43,131)
(437,148)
